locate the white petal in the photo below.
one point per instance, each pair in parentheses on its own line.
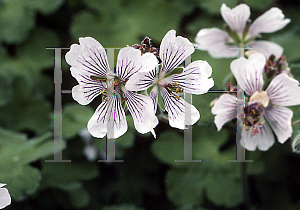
(225,109)
(279,119)
(108,118)
(5,198)
(248,72)
(267,48)
(141,80)
(214,41)
(174,50)
(87,89)
(237,17)
(263,140)
(131,61)
(89,58)
(154,97)
(142,112)
(271,21)
(194,78)
(284,91)
(176,110)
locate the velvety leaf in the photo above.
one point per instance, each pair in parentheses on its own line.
(16,152)
(74,118)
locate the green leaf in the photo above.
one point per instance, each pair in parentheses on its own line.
(128,22)
(45,6)
(15,21)
(122,207)
(224,191)
(264,5)
(62,175)
(214,6)
(185,186)
(6,90)
(288,41)
(202,103)
(34,115)
(15,153)
(74,118)
(80,198)
(33,54)
(22,181)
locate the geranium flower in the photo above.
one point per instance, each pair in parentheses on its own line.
(90,68)
(5,198)
(241,33)
(194,79)
(264,106)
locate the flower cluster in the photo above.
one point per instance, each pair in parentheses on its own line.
(240,32)
(137,69)
(263,106)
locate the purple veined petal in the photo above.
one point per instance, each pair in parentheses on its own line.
(87,89)
(154,97)
(237,17)
(109,118)
(271,21)
(279,119)
(5,198)
(284,91)
(225,109)
(176,110)
(214,41)
(194,78)
(89,58)
(267,48)
(131,61)
(174,50)
(142,80)
(248,72)
(142,112)
(263,140)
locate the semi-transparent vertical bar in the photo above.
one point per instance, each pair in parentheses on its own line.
(240,151)
(58,142)
(110,143)
(188,136)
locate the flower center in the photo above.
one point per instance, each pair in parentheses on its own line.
(261,97)
(253,116)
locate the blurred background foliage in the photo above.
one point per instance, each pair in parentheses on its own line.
(149,177)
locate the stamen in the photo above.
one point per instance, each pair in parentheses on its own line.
(123,100)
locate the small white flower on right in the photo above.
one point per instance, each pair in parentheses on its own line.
(240,32)
(260,104)
(194,79)
(5,198)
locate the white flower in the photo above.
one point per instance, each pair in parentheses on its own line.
(91,70)
(194,79)
(239,32)
(5,198)
(261,104)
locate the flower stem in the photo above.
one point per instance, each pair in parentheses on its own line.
(245,185)
(296,122)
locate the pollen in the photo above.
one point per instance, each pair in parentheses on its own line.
(175,84)
(123,100)
(262,97)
